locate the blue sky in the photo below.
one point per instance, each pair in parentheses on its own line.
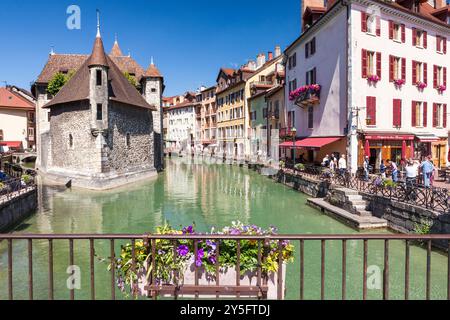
(189,40)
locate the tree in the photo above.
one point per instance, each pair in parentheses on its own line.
(58,81)
(131,79)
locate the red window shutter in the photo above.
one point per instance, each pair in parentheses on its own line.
(397,113)
(364,63)
(289,120)
(444,71)
(391,29)
(413,36)
(435,119)
(404,69)
(438,43)
(391,68)
(425,41)
(444,120)
(425,73)
(413,114)
(371,110)
(425,114)
(435,80)
(378,26)
(307,50)
(363,21)
(414,75)
(403,33)
(379,64)
(444,45)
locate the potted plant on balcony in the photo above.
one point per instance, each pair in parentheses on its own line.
(421,85)
(374,78)
(399,82)
(174,270)
(441,88)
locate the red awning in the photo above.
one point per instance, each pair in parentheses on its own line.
(389,137)
(310,143)
(12,144)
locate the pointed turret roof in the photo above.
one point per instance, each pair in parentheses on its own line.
(98,56)
(152,71)
(115,51)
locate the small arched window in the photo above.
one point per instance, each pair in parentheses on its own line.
(70,141)
(128,140)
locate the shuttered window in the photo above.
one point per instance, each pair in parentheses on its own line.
(397,113)
(371,108)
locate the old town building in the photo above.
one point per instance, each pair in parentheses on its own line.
(207,127)
(17,119)
(149,83)
(346,95)
(100,127)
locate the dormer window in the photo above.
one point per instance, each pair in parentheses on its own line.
(99,77)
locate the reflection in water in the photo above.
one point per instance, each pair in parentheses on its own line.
(209,195)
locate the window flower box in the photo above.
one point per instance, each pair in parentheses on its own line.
(399,82)
(421,85)
(176,262)
(373,78)
(441,88)
(305,95)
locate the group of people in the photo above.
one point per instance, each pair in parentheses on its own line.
(412,169)
(334,164)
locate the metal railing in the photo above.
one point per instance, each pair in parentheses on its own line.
(433,198)
(14,188)
(259,289)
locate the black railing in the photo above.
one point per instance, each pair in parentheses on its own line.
(13,188)
(433,198)
(46,245)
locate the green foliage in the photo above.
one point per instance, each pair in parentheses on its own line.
(424,227)
(282,164)
(26,178)
(300,166)
(388,184)
(131,79)
(2,185)
(58,81)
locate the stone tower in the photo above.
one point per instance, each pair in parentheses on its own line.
(98,99)
(152,89)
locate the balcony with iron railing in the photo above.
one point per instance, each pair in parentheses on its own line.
(306,95)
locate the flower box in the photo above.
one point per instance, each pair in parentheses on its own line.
(399,82)
(441,88)
(421,85)
(373,78)
(175,262)
(306,95)
(227,279)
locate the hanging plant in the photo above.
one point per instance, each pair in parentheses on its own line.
(421,85)
(399,82)
(373,78)
(441,88)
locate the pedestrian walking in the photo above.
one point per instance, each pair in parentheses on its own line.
(427,170)
(394,170)
(342,165)
(366,168)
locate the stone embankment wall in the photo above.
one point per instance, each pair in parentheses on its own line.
(17,208)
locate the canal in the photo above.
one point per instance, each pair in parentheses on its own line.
(209,195)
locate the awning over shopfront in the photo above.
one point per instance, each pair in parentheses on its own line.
(427,138)
(12,144)
(310,143)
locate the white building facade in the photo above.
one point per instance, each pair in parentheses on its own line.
(382,71)
(181,126)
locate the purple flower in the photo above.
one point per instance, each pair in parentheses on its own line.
(235,232)
(161,252)
(212,259)
(200,254)
(211,244)
(188,230)
(182,250)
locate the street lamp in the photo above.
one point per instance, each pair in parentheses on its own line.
(294,134)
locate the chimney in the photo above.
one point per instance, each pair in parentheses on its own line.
(251,65)
(260,60)
(277,51)
(270,55)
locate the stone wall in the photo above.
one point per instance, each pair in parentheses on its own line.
(305,184)
(137,122)
(17,209)
(84,156)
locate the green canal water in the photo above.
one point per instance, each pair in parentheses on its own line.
(209,195)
